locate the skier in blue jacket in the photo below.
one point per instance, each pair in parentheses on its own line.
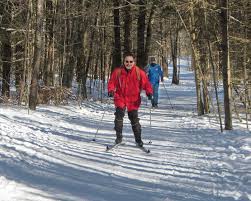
(155,74)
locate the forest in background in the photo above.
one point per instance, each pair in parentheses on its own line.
(45,45)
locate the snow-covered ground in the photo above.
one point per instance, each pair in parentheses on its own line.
(49,154)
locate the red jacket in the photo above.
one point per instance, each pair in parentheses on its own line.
(127,86)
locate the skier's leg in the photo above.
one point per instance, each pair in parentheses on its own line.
(156,91)
(136,127)
(118,122)
(152,101)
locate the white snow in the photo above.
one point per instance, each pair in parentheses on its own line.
(49,154)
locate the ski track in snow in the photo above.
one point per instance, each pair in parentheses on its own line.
(49,154)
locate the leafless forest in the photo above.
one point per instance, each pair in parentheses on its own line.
(47,46)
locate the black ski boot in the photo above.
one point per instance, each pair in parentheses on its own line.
(118,139)
(139,143)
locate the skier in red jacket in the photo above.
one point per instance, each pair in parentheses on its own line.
(125,85)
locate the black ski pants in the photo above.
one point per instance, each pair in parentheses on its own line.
(133,117)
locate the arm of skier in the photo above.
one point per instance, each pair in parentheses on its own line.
(112,82)
(161,74)
(146,85)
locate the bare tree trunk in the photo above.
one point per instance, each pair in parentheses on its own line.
(37,55)
(246,78)
(165,47)
(205,69)
(6,49)
(174,34)
(211,61)
(200,107)
(81,50)
(90,56)
(24,86)
(103,60)
(215,84)
(68,67)
(19,66)
(62,39)
(116,58)
(149,33)
(49,61)
(226,72)
(141,34)
(127,27)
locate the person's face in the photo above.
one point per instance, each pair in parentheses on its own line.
(129,62)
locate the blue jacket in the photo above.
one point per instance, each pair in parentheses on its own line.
(155,73)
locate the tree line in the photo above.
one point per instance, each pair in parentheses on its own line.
(45,45)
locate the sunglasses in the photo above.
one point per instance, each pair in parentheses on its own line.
(129,61)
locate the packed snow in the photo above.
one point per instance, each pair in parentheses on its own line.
(58,153)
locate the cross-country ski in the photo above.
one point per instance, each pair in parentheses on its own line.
(114,146)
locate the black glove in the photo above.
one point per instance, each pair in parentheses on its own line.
(150,96)
(110,93)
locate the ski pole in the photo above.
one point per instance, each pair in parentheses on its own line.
(150,142)
(94,139)
(167,95)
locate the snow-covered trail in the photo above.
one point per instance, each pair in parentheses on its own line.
(49,154)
